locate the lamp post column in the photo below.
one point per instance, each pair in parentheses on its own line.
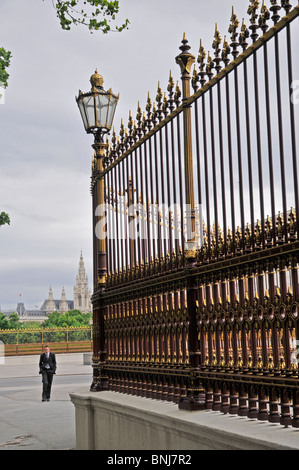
(100,379)
(97,108)
(100,148)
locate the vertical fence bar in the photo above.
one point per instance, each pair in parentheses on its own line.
(239,157)
(293,132)
(207,201)
(110,223)
(223,192)
(230,159)
(124,186)
(248,139)
(214,178)
(181,191)
(162,186)
(141,206)
(174,191)
(234,45)
(119,218)
(259,152)
(170,246)
(147,203)
(157,201)
(280,134)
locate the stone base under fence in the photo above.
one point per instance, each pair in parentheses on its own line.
(114,421)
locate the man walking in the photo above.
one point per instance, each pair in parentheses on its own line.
(47,367)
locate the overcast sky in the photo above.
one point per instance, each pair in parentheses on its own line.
(45,155)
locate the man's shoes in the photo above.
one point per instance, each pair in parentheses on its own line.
(48,399)
(43,399)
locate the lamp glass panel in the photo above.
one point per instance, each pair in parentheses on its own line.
(83,115)
(111,111)
(89,110)
(102,103)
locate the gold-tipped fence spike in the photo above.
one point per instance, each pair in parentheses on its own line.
(201,61)
(225,51)
(244,35)
(201,56)
(159,95)
(113,136)
(135,131)
(159,100)
(139,112)
(195,79)
(144,123)
(148,108)
(252,11)
(252,8)
(148,104)
(130,121)
(171,83)
(217,50)
(234,23)
(264,17)
(177,95)
(292,224)
(217,40)
(209,66)
(122,132)
(165,105)
(154,114)
(170,89)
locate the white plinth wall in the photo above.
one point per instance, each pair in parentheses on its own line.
(115,421)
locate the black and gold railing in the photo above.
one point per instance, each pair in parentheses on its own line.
(200,304)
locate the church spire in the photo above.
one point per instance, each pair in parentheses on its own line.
(63,305)
(50,294)
(50,305)
(82,293)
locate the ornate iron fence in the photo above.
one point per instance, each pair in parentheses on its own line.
(199,240)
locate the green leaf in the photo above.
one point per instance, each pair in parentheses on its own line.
(96,11)
(5,57)
(4,218)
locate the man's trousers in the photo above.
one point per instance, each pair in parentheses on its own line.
(47,378)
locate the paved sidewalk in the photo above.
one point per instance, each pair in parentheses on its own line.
(27,366)
(26,423)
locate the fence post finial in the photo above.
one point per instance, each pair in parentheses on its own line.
(185,59)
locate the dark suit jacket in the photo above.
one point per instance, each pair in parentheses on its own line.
(43,361)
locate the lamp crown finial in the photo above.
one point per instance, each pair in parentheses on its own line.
(96,80)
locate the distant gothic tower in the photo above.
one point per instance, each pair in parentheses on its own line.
(81,291)
(63,305)
(50,305)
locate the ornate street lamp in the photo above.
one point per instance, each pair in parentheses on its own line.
(97,108)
